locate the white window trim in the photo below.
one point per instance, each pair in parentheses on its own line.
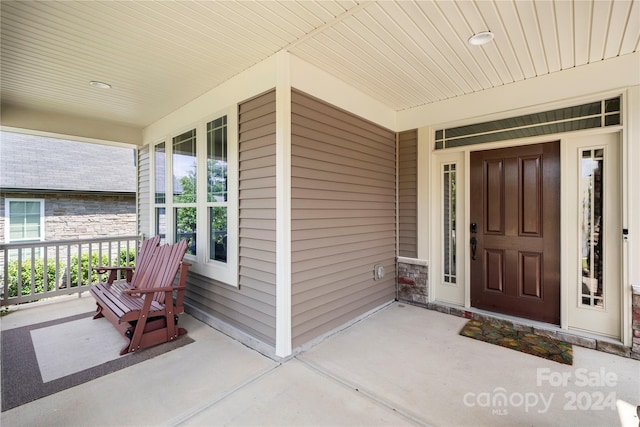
(200,263)
(7,220)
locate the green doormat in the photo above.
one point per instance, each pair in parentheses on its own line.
(526,342)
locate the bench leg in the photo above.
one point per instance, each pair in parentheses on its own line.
(140,325)
(128,333)
(154,331)
(98,312)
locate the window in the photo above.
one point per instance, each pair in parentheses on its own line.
(449,222)
(217,166)
(160,192)
(185,185)
(606,112)
(25,220)
(24,223)
(592,220)
(202,186)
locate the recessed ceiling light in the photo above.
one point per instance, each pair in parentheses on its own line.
(100,85)
(479,39)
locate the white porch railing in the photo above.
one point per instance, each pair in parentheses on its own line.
(34,271)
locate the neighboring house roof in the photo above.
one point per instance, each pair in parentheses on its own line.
(38,163)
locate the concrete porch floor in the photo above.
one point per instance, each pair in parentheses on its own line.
(402,365)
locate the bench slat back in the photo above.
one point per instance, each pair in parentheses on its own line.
(144,257)
(162,268)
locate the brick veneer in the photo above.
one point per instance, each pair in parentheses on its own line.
(635,307)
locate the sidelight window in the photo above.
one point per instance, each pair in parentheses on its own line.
(591,227)
(449,222)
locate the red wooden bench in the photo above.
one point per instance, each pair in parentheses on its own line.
(147,314)
(142,259)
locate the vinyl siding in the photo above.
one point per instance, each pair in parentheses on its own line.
(257,210)
(407,193)
(144,188)
(343,216)
(251,306)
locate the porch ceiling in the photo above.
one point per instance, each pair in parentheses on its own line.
(160,55)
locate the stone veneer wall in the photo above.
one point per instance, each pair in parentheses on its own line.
(413,281)
(635,307)
(70,216)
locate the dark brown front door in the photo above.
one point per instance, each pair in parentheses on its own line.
(515,212)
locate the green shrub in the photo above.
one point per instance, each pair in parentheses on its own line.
(84,266)
(132,258)
(84,269)
(38,276)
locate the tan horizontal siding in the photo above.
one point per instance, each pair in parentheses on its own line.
(263,153)
(311,284)
(309,107)
(337,297)
(249,310)
(251,306)
(338,204)
(257,127)
(351,176)
(343,216)
(339,313)
(346,249)
(339,157)
(315,184)
(339,239)
(144,188)
(408,193)
(326,195)
(307,271)
(341,226)
(306,128)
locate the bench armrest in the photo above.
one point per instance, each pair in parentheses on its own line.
(113,273)
(147,295)
(154,290)
(102,270)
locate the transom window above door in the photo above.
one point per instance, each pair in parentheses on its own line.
(596,114)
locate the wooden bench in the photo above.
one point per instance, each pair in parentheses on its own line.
(147,315)
(142,259)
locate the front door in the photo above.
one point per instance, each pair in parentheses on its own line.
(515,231)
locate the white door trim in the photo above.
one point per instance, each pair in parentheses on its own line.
(463,221)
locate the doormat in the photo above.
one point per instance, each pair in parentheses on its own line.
(22,373)
(525,342)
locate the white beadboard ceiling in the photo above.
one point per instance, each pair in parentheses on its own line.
(159,55)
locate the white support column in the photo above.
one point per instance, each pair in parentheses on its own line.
(283,205)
